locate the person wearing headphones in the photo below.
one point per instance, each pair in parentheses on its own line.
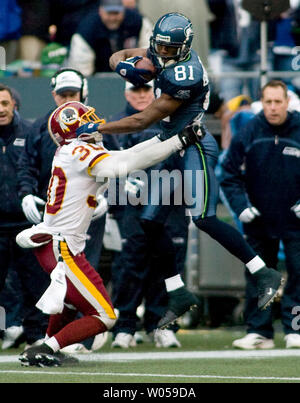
(34,167)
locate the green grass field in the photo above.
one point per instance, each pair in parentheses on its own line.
(206,356)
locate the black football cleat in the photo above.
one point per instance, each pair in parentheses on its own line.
(180,302)
(269,284)
(43,356)
(39,356)
(65,359)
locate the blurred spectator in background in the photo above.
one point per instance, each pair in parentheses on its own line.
(295,4)
(101,33)
(66,15)
(235,41)
(130,3)
(13,130)
(36,19)
(225,111)
(10,29)
(286,40)
(261,182)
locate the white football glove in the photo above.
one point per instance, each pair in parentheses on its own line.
(249,214)
(101,209)
(29,206)
(296,210)
(133,185)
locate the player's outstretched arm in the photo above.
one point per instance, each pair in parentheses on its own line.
(156,111)
(146,155)
(121,163)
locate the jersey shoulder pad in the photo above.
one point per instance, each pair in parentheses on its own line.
(85,156)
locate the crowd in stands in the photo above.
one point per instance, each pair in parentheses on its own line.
(40,37)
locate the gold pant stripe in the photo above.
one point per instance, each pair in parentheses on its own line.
(85,281)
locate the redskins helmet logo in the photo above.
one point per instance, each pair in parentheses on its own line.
(67,117)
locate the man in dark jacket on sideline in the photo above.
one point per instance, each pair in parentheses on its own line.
(262,184)
(33,280)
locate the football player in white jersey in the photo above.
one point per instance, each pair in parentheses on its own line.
(81,170)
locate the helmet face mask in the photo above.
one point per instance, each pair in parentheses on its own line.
(65,119)
(172,30)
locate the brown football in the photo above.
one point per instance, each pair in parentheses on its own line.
(39,238)
(146,64)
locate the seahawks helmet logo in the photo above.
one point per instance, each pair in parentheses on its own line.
(163,38)
(189,31)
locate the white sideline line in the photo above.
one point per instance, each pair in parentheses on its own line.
(175,355)
(139,375)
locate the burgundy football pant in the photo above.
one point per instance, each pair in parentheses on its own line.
(86,293)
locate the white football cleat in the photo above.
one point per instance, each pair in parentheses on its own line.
(99,341)
(123,340)
(11,335)
(292,340)
(76,348)
(164,338)
(253,341)
(138,337)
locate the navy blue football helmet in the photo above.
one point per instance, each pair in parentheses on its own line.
(175,30)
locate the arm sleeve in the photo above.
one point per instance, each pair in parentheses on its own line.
(141,156)
(233,183)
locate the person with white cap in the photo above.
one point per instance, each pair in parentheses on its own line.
(105,31)
(34,168)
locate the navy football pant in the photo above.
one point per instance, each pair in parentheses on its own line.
(195,181)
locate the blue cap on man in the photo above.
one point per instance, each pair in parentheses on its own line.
(112,6)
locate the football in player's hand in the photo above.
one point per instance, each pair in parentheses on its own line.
(146,64)
(40,238)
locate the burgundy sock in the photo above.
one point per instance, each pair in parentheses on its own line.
(60,320)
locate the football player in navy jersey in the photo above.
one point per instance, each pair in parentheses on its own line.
(182,93)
